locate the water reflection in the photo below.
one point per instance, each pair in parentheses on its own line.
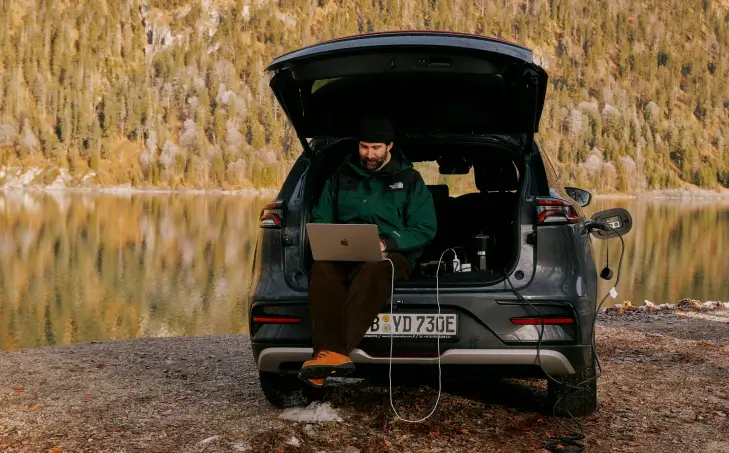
(83,267)
(676,249)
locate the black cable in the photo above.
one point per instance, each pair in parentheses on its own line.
(571,442)
(599,306)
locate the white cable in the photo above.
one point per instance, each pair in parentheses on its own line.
(437,300)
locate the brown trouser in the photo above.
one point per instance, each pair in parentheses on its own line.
(345,297)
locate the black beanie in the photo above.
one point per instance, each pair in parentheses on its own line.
(375,129)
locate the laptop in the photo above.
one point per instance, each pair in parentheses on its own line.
(344,242)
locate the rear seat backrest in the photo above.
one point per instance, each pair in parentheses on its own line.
(497,181)
(439,192)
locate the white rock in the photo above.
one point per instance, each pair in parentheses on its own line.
(648,303)
(309,430)
(209,440)
(294,441)
(313,413)
(241,446)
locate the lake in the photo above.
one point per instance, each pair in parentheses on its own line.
(78,267)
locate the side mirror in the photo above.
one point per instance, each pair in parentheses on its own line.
(610,223)
(582,197)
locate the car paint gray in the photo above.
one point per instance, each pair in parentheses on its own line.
(386,40)
(559,267)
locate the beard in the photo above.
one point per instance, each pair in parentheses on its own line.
(372,164)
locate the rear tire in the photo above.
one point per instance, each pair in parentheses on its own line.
(578,402)
(287,390)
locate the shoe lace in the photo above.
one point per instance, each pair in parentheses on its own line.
(321,354)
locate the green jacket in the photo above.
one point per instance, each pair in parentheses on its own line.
(394,198)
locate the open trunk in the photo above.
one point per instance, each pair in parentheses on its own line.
(494,165)
(428,83)
(449,96)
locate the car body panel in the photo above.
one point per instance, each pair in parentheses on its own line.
(554,362)
(556,270)
(380,40)
(423,77)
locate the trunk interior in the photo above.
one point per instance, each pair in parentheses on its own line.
(476,190)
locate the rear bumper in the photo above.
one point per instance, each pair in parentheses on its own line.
(553,362)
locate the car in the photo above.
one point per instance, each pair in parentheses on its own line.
(469,106)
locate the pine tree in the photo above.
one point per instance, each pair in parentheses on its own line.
(80,72)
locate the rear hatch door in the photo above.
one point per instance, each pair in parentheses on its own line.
(426,83)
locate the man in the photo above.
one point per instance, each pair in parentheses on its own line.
(379,187)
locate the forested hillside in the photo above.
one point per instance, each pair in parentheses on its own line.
(172,92)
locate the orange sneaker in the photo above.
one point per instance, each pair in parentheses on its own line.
(326,363)
(316,383)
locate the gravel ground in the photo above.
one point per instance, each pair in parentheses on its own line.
(664,389)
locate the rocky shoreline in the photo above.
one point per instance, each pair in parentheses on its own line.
(17,178)
(13,179)
(684,305)
(129,190)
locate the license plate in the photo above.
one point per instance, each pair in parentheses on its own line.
(414,326)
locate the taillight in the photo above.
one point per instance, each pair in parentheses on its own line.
(271,215)
(538,321)
(275,320)
(552,211)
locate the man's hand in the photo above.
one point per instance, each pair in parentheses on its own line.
(382,245)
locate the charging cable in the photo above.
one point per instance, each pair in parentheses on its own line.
(571,443)
(555,444)
(458,265)
(392,336)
